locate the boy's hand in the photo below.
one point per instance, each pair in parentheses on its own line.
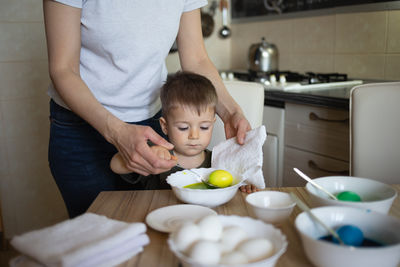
(250,188)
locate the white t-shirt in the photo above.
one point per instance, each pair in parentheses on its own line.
(124,46)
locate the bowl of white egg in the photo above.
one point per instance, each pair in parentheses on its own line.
(188,186)
(218,240)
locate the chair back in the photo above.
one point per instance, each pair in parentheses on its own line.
(375,132)
(250,97)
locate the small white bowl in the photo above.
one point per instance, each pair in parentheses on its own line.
(254,229)
(374,195)
(375,226)
(204,197)
(270,206)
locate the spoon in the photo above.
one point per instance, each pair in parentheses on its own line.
(305,208)
(308,179)
(224,32)
(202,179)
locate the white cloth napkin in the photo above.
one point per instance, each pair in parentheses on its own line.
(245,160)
(87,240)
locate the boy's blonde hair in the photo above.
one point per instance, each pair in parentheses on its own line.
(187,89)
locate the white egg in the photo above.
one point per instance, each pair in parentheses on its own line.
(185,236)
(256,249)
(210,227)
(234,258)
(231,237)
(205,252)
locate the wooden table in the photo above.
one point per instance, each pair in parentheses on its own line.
(133,206)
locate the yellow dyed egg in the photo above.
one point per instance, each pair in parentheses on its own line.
(220,178)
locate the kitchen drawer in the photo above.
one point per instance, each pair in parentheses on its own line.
(311,164)
(320,130)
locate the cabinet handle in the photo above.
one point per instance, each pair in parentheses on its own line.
(314,166)
(315,117)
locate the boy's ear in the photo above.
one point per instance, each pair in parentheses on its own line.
(163,124)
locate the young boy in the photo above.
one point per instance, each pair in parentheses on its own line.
(188,115)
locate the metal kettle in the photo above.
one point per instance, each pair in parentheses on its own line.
(263,57)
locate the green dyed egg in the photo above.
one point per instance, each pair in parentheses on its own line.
(348,196)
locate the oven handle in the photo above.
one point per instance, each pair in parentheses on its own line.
(315,117)
(314,166)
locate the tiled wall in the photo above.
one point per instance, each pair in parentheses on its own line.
(363,45)
(29,197)
(218,49)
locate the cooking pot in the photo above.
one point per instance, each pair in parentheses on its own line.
(263,57)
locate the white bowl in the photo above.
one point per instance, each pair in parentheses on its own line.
(375,226)
(374,195)
(204,197)
(270,206)
(254,229)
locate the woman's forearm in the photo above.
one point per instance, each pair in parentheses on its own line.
(193,57)
(227,106)
(62,25)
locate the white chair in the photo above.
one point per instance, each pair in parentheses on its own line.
(250,97)
(375,132)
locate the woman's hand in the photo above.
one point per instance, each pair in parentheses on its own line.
(131,141)
(119,165)
(237,125)
(163,153)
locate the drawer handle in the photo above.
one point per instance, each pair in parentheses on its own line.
(315,117)
(314,166)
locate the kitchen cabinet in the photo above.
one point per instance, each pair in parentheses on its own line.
(316,142)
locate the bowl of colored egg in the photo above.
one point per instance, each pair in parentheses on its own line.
(370,238)
(205,186)
(352,191)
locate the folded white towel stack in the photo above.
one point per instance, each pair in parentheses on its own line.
(245,160)
(87,240)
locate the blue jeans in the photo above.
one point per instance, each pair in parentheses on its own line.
(79,159)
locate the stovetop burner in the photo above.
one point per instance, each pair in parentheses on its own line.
(325,77)
(289,76)
(288,80)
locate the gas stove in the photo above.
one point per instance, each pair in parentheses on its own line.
(293,81)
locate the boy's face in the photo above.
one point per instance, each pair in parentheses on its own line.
(188,131)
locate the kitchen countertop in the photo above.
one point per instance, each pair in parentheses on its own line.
(338,98)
